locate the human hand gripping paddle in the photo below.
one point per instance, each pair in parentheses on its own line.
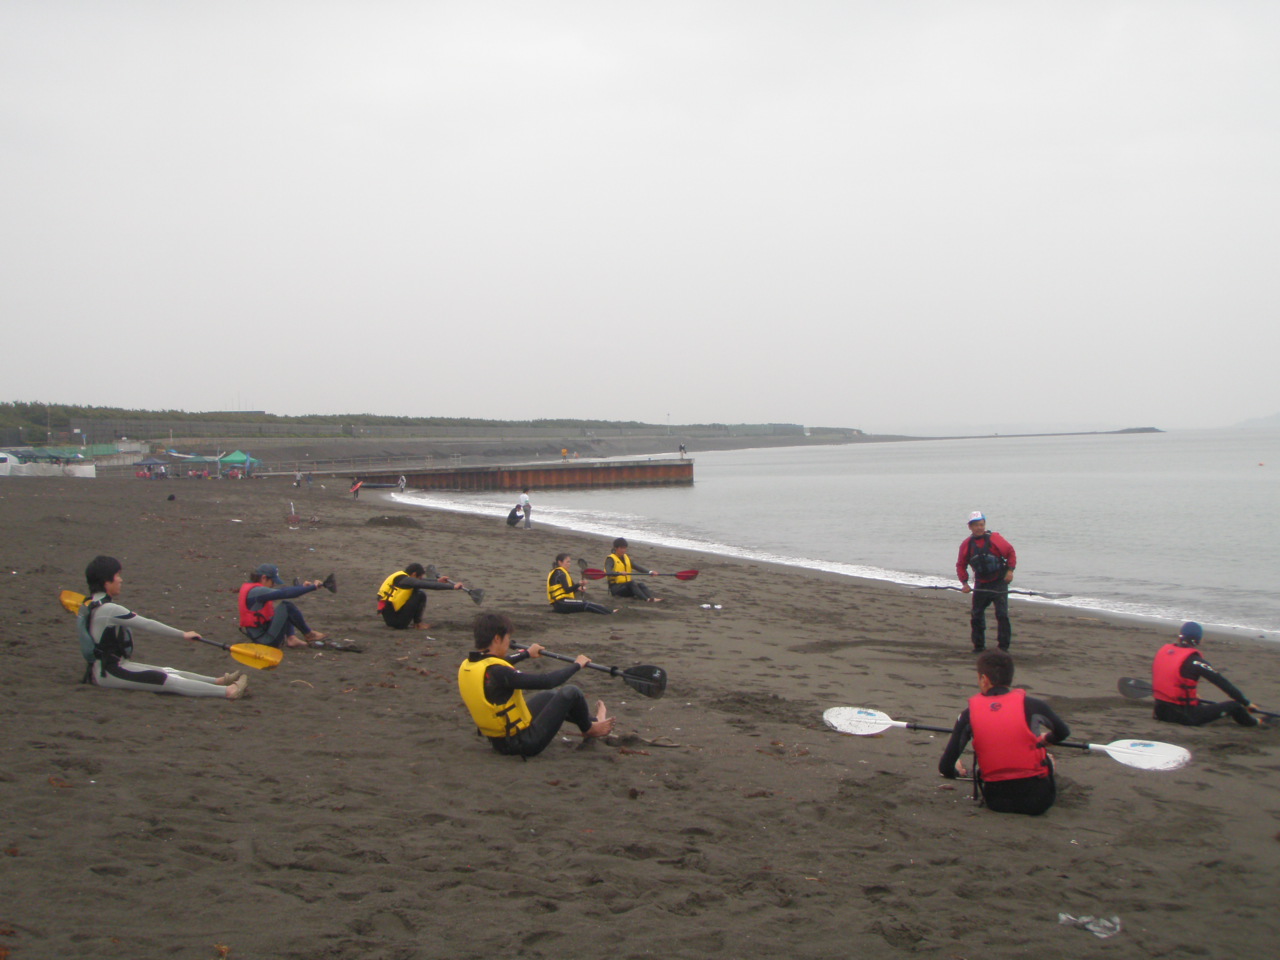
(1136,688)
(649,681)
(475,593)
(256,655)
(1143,754)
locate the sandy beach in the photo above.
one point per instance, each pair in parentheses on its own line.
(347,809)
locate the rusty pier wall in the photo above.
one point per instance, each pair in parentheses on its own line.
(564,475)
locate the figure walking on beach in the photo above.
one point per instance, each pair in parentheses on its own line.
(622,582)
(493,691)
(105,635)
(527,507)
(1176,673)
(402,598)
(993,561)
(263,621)
(355,488)
(1011,766)
(562,591)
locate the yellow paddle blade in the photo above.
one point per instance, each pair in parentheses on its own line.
(72,601)
(256,655)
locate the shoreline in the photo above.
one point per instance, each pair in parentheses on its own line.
(345,807)
(894,577)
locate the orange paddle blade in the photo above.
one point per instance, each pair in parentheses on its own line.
(72,601)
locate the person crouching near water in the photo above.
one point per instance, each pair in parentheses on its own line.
(1011,766)
(263,620)
(561,590)
(106,633)
(493,691)
(1176,673)
(402,600)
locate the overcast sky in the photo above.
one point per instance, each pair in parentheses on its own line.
(899,216)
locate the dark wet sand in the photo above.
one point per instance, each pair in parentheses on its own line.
(346,809)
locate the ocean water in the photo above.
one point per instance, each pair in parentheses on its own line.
(1169,526)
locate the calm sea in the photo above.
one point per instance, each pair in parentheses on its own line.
(1171,526)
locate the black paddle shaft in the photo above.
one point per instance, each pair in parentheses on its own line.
(650,681)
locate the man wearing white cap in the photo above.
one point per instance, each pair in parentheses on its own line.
(993,560)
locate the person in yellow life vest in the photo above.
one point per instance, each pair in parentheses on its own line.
(402,600)
(1176,673)
(622,581)
(493,692)
(562,591)
(1011,766)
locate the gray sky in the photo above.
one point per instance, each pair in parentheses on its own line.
(900,216)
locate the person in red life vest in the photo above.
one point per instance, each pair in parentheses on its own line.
(493,692)
(1011,766)
(1175,673)
(266,613)
(993,560)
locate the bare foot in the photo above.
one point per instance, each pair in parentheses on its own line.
(229,678)
(236,690)
(294,642)
(603,725)
(422,626)
(655,599)
(315,635)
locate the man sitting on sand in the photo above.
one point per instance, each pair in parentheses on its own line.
(263,620)
(493,692)
(1176,672)
(621,582)
(401,599)
(562,591)
(1011,766)
(105,627)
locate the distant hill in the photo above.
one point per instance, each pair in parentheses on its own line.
(1259,423)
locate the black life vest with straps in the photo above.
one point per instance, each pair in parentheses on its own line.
(986,563)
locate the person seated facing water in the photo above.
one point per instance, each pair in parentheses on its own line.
(1011,766)
(493,691)
(402,600)
(1177,671)
(561,590)
(621,582)
(105,628)
(263,621)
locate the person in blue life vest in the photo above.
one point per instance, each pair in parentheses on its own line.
(267,613)
(402,600)
(494,694)
(622,575)
(993,561)
(563,593)
(1175,673)
(1012,769)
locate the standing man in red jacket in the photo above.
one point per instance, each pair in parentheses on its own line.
(993,561)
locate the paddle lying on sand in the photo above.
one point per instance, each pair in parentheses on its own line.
(256,655)
(475,593)
(1143,754)
(1025,593)
(1136,688)
(650,681)
(590,573)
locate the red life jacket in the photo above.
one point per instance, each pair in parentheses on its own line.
(254,618)
(1003,743)
(1167,682)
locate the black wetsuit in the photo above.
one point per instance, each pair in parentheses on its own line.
(1206,711)
(1030,795)
(415,606)
(550,708)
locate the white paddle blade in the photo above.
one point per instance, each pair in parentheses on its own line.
(1146,754)
(859,721)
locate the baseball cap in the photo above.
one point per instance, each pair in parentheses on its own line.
(976,516)
(1191,631)
(270,570)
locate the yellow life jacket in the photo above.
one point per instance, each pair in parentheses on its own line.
(623,564)
(492,720)
(556,591)
(396,596)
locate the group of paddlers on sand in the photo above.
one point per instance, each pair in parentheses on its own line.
(1009,730)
